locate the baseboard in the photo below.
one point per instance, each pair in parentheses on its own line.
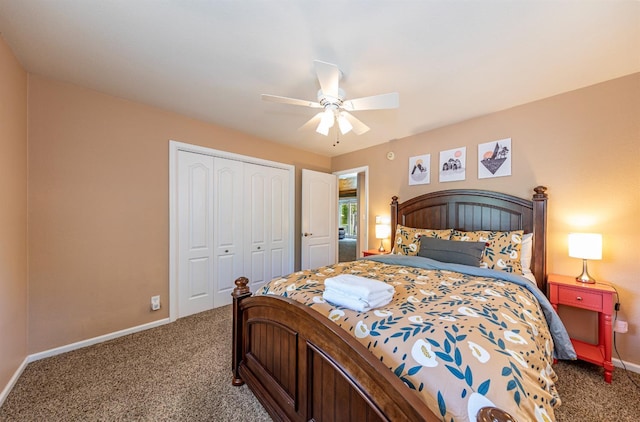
(95,340)
(69,347)
(633,367)
(12,381)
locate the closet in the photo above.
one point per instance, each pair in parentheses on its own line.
(233,219)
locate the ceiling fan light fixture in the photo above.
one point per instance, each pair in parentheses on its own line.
(344,125)
(323,130)
(326,122)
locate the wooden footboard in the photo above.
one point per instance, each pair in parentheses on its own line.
(302,367)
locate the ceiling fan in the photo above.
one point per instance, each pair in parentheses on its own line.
(331,98)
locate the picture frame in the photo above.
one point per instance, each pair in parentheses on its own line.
(453,164)
(420,169)
(494,159)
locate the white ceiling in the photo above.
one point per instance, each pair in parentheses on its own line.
(450,60)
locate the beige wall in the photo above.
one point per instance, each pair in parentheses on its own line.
(99,200)
(98,196)
(583,145)
(13,214)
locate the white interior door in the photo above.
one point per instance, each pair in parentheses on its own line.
(195,240)
(229,227)
(319,219)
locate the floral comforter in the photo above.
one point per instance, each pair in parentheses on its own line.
(461,341)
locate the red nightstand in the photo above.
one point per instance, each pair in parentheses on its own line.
(565,290)
(373,252)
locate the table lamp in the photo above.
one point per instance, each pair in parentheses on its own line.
(585,246)
(383,230)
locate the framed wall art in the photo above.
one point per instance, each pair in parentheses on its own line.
(419,169)
(494,159)
(453,164)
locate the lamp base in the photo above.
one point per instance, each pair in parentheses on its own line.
(381,248)
(586,280)
(585,277)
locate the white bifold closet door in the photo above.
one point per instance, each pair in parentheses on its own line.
(196,228)
(233,221)
(228,230)
(266,223)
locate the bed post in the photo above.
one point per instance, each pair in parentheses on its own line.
(394,219)
(539,236)
(239,293)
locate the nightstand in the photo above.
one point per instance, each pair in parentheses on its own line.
(373,252)
(598,297)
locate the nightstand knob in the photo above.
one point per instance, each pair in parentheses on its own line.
(579,298)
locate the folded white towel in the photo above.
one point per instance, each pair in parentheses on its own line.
(357,293)
(354,303)
(356,286)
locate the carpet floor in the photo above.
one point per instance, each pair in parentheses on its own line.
(347,250)
(182,372)
(176,372)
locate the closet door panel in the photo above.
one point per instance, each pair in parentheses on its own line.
(256,179)
(231,216)
(278,263)
(195,241)
(280,223)
(228,231)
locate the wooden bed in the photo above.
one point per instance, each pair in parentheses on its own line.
(302,366)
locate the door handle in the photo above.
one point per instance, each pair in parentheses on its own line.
(307,234)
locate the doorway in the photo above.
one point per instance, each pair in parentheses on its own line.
(347,228)
(352,213)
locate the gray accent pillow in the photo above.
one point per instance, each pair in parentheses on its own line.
(453,251)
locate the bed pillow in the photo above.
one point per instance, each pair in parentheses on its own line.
(408,239)
(502,251)
(526,252)
(466,253)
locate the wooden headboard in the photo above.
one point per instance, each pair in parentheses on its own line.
(470,209)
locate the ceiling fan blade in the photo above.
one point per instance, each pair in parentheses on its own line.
(292,101)
(375,102)
(313,122)
(328,76)
(358,127)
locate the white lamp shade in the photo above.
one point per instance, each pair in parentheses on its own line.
(343,124)
(585,245)
(326,122)
(383,229)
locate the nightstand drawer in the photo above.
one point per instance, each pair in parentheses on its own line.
(580,298)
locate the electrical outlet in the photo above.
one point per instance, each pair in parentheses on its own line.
(621,327)
(155,303)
